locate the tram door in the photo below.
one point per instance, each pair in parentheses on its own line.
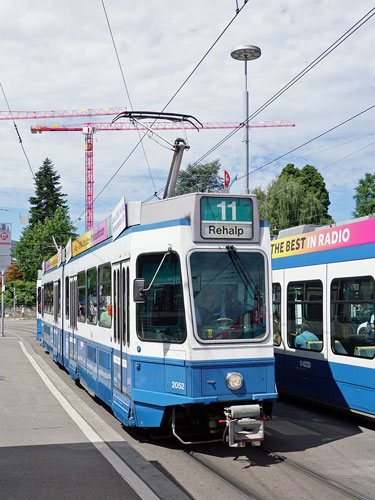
(57,346)
(120,278)
(73,315)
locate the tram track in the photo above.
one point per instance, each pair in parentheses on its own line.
(318,484)
(350,493)
(239,486)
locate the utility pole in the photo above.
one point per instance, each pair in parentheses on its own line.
(14,303)
(2,302)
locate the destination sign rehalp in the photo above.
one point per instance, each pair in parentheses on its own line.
(226,218)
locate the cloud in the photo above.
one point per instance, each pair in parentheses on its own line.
(60,56)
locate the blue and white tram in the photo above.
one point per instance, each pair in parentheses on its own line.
(38,309)
(323,312)
(164,312)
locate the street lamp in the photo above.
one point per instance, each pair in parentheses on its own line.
(246,53)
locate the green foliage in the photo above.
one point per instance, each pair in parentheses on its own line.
(290,171)
(312,180)
(25,293)
(295,197)
(36,242)
(314,183)
(198,178)
(48,196)
(365,196)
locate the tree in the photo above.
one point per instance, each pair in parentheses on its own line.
(199,177)
(48,196)
(313,182)
(286,203)
(25,293)
(295,197)
(36,242)
(291,171)
(365,196)
(13,273)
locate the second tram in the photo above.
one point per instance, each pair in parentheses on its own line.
(323,314)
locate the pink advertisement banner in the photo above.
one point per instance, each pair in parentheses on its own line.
(96,235)
(347,235)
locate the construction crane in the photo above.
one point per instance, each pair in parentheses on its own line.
(89,129)
(64,113)
(72,113)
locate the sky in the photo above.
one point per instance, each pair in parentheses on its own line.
(60,56)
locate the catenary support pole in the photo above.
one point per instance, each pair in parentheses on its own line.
(2,302)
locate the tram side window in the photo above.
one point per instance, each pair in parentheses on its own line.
(352,316)
(56,306)
(48,298)
(305,315)
(92,296)
(81,279)
(39,300)
(276,299)
(105,296)
(67,297)
(59,298)
(162,316)
(45,298)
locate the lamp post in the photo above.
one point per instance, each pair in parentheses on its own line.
(246,53)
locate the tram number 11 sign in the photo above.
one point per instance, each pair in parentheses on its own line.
(226,218)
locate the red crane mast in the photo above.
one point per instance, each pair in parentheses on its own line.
(89,129)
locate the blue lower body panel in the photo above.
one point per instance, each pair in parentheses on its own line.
(140,390)
(346,386)
(160,383)
(38,329)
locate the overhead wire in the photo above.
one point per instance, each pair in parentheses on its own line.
(325,168)
(322,56)
(127,93)
(293,81)
(311,140)
(337,145)
(238,11)
(303,144)
(308,68)
(302,179)
(18,134)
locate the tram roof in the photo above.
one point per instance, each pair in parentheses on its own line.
(135,213)
(349,240)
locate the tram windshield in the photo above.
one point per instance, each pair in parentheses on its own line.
(229,295)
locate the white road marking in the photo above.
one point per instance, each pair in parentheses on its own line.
(125,472)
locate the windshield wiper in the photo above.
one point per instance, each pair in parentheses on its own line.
(242,271)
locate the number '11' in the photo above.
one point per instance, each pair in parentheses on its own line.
(223,207)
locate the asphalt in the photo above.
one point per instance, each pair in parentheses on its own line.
(52,445)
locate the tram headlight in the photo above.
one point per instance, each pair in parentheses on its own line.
(234,381)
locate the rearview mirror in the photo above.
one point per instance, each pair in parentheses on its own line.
(139,290)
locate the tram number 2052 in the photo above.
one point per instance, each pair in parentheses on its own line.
(178,385)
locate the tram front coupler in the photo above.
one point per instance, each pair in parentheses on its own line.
(244,425)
